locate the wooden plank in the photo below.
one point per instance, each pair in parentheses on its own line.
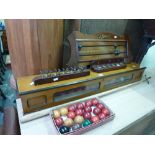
(101,57)
(50,34)
(94,42)
(34,45)
(15,34)
(100,50)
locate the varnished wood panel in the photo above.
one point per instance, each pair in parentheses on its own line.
(50,96)
(34,45)
(102,45)
(25,87)
(50,34)
(100,50)
(23,46)
(101,57)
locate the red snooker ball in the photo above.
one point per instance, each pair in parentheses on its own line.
(87,115)
(95,101)
(102,116)
(88,103)
(106,112)
(95,119)
(96,111)
(71,115)
(72,107)
(88,109)
(80,106)
(59,121)
(100,106)
(79,112)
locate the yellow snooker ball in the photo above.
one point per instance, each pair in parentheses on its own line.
(63,111)
(56,113)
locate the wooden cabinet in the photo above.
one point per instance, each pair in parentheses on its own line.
(34,44)
(35,98)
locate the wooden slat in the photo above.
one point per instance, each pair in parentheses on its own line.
(100,50)
(84,63)
(99,57)
(99,42)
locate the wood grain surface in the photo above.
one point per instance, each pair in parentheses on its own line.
(39,97)
(24,82)
(94,47)
(34,45)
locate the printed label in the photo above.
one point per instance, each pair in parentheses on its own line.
(55,79)
(100,75)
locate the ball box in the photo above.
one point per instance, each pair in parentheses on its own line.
(82,128)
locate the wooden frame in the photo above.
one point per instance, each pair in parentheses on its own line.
(85,48)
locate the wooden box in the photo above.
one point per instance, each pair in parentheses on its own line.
(39,97)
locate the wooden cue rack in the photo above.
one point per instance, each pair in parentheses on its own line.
(38,97)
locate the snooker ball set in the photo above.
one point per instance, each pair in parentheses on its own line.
(80,117)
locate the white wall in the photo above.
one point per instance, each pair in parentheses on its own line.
(149,58)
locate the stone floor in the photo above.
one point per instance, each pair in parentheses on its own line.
(9,92)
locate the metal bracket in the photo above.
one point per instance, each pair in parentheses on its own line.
(116,52)
(147,79)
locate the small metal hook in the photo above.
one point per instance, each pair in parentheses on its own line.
(147,79)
